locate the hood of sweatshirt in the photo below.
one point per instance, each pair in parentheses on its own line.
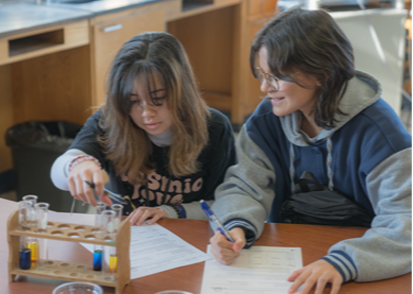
(362,91)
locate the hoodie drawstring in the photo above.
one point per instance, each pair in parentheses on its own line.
(292,171)
(329,162)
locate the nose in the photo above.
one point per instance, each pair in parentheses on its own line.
(265,86)
(148,110)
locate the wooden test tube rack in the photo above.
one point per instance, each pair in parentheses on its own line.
(70,271)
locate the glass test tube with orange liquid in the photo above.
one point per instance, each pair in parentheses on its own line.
(111,259)
(31,242)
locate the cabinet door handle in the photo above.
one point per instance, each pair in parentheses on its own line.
(112,28)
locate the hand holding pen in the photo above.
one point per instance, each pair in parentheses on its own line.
(225,245)
(211,216)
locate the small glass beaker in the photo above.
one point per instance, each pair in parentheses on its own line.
(173,292)
(78,288)
(31,198)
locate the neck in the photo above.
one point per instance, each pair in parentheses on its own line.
(309,126)
(162,140)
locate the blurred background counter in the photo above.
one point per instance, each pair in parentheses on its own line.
(55,54)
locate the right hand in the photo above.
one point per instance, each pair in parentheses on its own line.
(223,250)
(90,171)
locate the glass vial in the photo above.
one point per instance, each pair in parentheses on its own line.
(31,242)
(42,209)
(118,209)
(111,259)
(25,259)
(31,198)
(98,249)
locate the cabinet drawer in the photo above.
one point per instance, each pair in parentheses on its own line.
(264,8)
(111,33)
(45,41)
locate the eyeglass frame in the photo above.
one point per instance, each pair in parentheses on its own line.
(274,77)
(267,77)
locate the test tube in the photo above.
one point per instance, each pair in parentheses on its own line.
(30,198)
(33,200)
(24,220)
(111,259)
(100,208)
(118,209)
(25,213)
(42,209)
(32,243)
(98,249)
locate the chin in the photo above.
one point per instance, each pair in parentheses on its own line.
(281,112)
(153,133)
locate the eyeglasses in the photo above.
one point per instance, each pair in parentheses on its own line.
(270,78)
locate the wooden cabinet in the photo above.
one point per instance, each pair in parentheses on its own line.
(57,81)
(44,75)
(258,13)
(66,81)
(218,43)
(44,41)
(109,32)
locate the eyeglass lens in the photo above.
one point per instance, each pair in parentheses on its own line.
(271,79)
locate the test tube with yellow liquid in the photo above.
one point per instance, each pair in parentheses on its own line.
(113,262)
(31,242)
(118,209)
(111,259)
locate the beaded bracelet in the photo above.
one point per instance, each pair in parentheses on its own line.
(75,161)
(181,209)
(176,210)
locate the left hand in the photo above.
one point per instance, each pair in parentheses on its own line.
(318,274)
(141,214)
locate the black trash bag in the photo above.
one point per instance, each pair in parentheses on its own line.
(35,146)
(52,136)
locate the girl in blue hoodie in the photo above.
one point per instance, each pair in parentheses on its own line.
(323,116)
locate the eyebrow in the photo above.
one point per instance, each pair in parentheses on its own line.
(152,92)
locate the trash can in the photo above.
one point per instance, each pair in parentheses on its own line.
(35,145)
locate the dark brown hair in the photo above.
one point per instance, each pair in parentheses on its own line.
(127,145)
(311,42)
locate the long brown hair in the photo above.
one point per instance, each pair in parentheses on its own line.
(312,42)
(127,145)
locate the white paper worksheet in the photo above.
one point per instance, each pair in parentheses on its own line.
(154,249)
(258,270)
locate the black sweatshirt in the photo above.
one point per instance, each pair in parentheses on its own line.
(215,158)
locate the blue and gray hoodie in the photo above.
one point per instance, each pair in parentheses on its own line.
(367,157)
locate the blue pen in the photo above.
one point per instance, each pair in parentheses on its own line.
(211,216)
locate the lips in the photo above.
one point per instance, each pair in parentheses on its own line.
(277,100)
(152,126)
